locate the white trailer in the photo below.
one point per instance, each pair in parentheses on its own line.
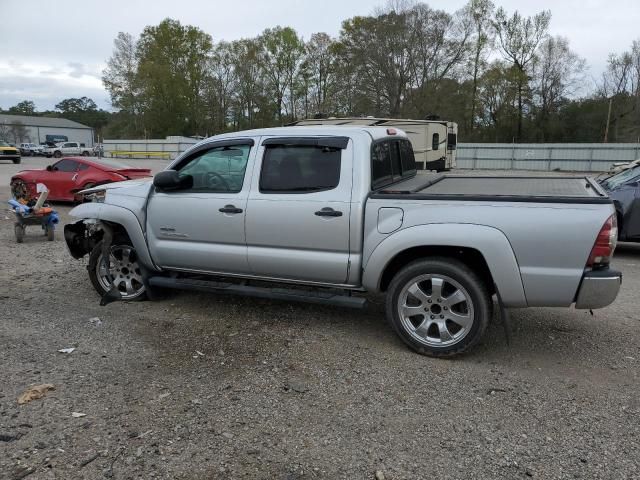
(434,141)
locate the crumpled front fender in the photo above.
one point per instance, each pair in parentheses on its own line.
(115,215)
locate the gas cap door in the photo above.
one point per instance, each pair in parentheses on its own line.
(389,219)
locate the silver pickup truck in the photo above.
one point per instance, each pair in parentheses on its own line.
(321,214)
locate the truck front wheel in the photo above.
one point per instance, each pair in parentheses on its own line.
(439,306)
(121,270)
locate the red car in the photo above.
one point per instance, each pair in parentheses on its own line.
(71,174)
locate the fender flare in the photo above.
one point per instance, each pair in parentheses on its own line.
(489,241)
(123,217)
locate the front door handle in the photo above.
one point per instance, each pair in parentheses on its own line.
(230,209)
(328,212)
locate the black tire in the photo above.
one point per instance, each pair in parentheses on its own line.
(95,258)
(476,309)
(57,154)
(19,230)
(17,161)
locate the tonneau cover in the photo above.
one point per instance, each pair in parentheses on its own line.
(503,188)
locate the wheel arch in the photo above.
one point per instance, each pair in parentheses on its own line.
(469,256)
(480,247)
(122,220)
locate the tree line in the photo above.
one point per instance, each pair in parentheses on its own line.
(500,75)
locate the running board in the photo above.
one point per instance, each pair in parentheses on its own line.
(319,297)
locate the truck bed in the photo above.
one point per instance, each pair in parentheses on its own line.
(497,188)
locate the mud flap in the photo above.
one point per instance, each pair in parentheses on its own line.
(112,295)
(504,316)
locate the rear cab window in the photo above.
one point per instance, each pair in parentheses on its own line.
(392,160)
(303,165)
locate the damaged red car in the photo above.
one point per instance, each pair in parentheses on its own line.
(66,177)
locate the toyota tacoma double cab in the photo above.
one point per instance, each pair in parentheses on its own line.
(326,214)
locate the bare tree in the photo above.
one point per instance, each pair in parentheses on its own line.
(518,40)
(557,74)
(18,132)
(480,13)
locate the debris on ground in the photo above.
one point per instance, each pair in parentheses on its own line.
(380,475)
(95,321)
(67,350)
(78,414)
(35,392)
(295,386)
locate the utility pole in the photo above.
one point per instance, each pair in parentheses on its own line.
(606,130)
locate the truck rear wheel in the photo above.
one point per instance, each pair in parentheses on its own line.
(123,271)
(438,306)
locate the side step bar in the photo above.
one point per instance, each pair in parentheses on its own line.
(320,297)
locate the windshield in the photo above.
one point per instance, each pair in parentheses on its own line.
(4,144)
(620,178)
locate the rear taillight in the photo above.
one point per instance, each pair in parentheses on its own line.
(606,240)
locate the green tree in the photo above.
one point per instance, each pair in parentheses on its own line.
(26,107)
(120,79)
(319,70)
(84,110)
(172,66)
(281,52)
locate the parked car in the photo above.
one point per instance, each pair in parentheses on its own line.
(29,149)
(624,189)
(64,149)
(337,211)
(8,152)
(69,175)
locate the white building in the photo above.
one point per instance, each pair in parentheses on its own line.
(22,128)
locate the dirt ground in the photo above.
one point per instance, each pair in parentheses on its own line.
(201,386)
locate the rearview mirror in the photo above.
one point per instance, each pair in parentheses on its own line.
(170,180)
(49,168)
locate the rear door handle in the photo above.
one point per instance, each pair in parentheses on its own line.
(328,212)
(230,209)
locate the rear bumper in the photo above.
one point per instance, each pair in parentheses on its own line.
(598,289)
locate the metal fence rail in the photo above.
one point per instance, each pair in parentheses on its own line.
(172,148)
(583,157)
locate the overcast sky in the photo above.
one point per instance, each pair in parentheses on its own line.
(48,54)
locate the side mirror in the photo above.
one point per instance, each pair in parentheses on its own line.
(49,168)
(170,180)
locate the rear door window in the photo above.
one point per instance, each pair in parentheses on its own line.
(299,169)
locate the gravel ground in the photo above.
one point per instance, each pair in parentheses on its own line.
(200,386)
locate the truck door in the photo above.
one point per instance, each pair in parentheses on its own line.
(299,208)
(202,228)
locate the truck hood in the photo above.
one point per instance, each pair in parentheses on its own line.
(130,188)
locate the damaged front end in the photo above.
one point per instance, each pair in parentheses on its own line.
(82,236)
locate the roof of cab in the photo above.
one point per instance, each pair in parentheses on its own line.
(319,130)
